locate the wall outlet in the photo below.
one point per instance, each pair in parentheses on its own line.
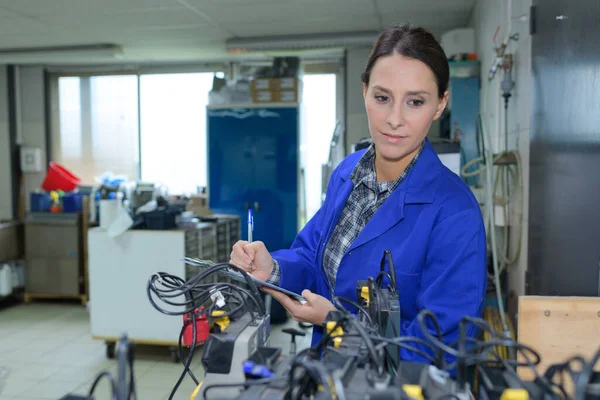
(31,159)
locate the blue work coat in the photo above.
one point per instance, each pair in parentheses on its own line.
(432,225)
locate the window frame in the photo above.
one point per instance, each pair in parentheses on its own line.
(336,65)
(55,73)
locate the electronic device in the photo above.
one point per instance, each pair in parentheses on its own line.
(358,355)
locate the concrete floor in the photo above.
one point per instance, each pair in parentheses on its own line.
(49,353)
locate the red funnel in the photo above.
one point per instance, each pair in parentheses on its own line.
(59,178)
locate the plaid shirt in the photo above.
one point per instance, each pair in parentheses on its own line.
(365,199)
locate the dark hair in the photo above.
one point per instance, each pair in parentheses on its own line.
(412,42)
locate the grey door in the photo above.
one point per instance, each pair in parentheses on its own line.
(564,209)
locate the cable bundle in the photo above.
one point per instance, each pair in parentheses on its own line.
(193,298)
(492,316)
(308,375)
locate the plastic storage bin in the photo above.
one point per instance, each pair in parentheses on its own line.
(72,202)
(40,202)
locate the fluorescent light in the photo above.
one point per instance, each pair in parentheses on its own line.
(301,42)
(60,53)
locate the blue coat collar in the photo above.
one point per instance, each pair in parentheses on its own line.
(419,187)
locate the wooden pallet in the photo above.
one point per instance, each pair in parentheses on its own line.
(170,345)
(29,297)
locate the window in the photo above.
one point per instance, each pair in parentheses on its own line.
(158,133)
(70,119)
(318,123)
(102,131)
(173,130)
(98,126)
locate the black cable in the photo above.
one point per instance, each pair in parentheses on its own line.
(370,346)
(400,343)
(113,384)
(189,358)
(317,371)
(380,276)
(436,341)
(352,303)
(316,349)
(174,287)
(585,376)
(380,326)
(197,295)
(448,396)
(561,368)
(256,382)
(506,365)
(392,275)
(188,361)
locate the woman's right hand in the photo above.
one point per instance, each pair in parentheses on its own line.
(255,254)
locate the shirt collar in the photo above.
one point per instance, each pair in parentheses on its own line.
(364,171)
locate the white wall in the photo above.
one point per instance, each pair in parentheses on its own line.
(5,159)
(32,121)
(358,126)
(487,16)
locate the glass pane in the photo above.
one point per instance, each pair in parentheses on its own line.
(70,119)
(98,126)
(114,125)
(173,130)
(318,123)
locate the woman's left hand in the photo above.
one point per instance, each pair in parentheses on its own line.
(314,311)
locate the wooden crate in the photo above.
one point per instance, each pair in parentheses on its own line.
(558,328)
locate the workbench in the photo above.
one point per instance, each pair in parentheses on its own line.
(119,269)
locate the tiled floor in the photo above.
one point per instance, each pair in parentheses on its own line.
(49,353)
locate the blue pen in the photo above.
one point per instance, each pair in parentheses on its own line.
(250,225)
(250,229)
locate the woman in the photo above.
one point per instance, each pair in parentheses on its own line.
(396,195)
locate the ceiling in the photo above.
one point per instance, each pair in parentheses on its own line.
(196,30)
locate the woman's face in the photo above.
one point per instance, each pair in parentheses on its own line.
(401,102)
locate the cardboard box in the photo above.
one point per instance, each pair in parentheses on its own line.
(287,96)
(11,241)
(264,96)
(263,84)
(274,84)
(286,84)
(198,204)
(275,96)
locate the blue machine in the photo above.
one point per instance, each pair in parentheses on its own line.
(253,163)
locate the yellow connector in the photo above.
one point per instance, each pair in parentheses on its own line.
(364,293)
(222,322)
(515,394)
(196,391)
(414,391)
(337,334)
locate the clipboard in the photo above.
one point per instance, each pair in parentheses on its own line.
(239,277)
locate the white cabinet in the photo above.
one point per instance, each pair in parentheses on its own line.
(119,269)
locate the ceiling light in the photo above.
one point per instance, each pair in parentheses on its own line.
(301,42)
(60,53)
